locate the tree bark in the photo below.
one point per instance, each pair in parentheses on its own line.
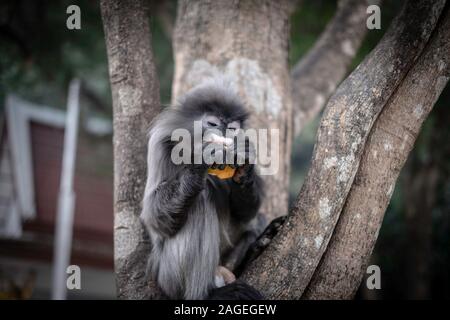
(316,76)
(135,95)
(247,41)
(284,270)
(385,153)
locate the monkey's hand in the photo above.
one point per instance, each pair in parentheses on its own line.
(203,159)
(166,207)
(247,188)
(244,175)
(245,157)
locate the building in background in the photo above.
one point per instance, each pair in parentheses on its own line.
(31,149)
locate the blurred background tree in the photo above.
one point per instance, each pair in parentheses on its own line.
(39,57)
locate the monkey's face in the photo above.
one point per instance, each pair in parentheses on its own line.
(217,124)
(215,117)
(216,109)
(224,143)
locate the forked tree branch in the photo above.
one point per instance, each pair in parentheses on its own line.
(390,141)
(284,270)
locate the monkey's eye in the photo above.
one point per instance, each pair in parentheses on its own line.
(234,125)
(211,121)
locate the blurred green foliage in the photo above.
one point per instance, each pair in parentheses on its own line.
(40,56)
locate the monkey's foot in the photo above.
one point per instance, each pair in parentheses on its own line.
(261,243)
(237,290)
(223,276)
(269,233)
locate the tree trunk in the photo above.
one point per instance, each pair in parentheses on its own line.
(135,95)
(284,270)
(248,42)
(385,153)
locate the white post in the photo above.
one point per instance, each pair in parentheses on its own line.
(66,200)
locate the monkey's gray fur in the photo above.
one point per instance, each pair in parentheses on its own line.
(196,221)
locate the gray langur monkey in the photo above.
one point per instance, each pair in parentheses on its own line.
(200,226)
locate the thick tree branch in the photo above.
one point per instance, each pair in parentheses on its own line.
(286,267)
(316,76)
(385,153)
(135,93)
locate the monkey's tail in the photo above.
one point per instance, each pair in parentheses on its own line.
(237,290)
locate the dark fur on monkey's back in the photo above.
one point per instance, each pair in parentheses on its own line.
(238,290)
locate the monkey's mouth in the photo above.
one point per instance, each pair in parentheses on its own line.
(221,140)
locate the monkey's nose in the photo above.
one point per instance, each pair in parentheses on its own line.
(226,142)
